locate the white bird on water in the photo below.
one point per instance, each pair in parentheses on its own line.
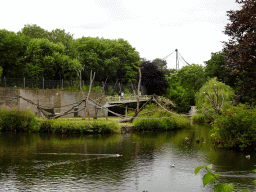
(118,155)
(173,165)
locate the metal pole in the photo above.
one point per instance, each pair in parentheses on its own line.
(4,81)
(43,83)
(24,82)
(177,62)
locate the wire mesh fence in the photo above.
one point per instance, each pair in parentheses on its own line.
(109,88)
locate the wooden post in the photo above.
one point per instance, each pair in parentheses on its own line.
(138,94)
(91,81)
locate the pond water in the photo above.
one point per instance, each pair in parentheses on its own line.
(47,162)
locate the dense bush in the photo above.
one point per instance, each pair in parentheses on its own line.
(77,126)
(200,119)
(15,119)
(161,124)
(236,127)
(208,87)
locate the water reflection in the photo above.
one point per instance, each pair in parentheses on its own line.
(34,162)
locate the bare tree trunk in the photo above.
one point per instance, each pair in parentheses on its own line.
(87,107)
(99,105)
(138,93)
(137,112)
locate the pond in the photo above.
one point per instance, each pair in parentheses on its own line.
(47,162)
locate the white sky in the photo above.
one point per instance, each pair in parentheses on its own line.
(154,28)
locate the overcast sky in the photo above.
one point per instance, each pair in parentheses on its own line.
(154,28)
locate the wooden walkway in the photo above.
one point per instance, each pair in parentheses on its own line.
(130,98)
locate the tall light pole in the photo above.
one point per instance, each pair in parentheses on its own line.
(177,61)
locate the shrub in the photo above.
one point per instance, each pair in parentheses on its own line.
(161,124)
(15,119)
(200,119)
(77,126)
(236,127)
(208,87)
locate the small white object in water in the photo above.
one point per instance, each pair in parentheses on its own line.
(173,165)
(247,156)
(118,155)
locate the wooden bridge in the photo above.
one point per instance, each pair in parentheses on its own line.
(130,98)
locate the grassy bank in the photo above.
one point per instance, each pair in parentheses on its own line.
(157,119)
(23,120)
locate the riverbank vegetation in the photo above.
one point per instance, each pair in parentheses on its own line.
(153,118)
(23,120)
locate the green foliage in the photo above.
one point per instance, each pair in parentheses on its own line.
(208,87)
(200,119)
(215,67)
(77,126)
(236,127)
(46,60)
(1,71)
(183,85)
(56,36)
(110,90)
(181,97)
(12,52)
(111,59)
(161,124)
(211,177)
(127,91)
(15,119)
(162,64)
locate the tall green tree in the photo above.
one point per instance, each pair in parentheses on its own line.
(60,36)
(55,36)
(48,60)
(183,84)
(240,49)
(12,53)
(110,59)
(34,31)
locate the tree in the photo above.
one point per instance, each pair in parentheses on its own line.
(240,49)
(213,91)
(45,59)
(55,36)
(153,78)
(60,36)
(12,53)
(162,64)
(110,59)
(34,31)
(183,85)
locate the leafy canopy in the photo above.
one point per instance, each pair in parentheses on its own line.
(240,49)
(208,87)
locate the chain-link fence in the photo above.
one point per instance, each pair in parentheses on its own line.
(109,88)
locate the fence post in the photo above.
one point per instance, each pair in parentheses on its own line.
(4,81)
(62,83)
(24,82)
(43,82)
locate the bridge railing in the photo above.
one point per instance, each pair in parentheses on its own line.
(126,97)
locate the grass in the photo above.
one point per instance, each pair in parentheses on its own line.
(23,120)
